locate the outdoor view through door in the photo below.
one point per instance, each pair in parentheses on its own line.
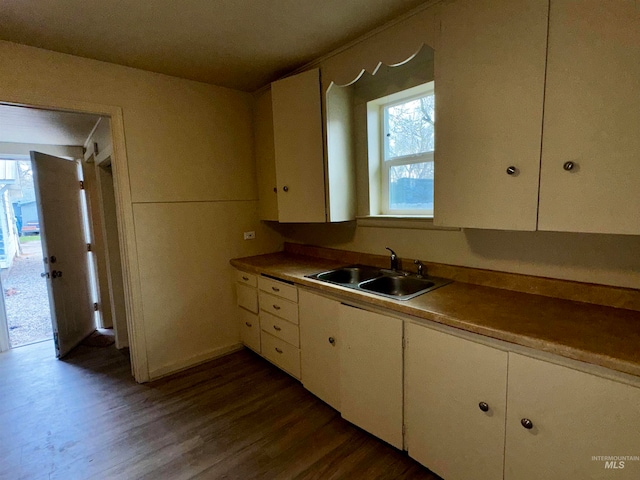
(25,291)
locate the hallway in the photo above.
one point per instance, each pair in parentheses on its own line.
(237,417)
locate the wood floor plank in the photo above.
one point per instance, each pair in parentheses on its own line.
(238,417)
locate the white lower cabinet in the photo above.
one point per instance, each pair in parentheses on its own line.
(250,329)
(320,346)
(542,420)
(456,394)
(371,381)
(574,416)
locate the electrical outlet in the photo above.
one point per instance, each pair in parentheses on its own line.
(249,235)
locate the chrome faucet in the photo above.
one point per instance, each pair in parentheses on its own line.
(420,266)
(394,259)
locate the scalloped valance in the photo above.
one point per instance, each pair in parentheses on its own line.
(393,46)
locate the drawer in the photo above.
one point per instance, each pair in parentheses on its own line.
(250,329)
(280,328)
(281,354)
(247,297)
(279,307)
(281,289)
(246,278)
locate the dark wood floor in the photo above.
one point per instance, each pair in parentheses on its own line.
(237,417)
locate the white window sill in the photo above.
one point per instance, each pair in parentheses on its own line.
(401,221)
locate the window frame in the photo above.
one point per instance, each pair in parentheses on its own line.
(379,201)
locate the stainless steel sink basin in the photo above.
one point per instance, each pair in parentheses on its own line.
(397,286)
(387,283)
(349,275)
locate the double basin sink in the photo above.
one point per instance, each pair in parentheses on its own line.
(379,281)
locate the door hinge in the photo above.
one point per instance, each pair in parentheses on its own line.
(81,185)
(55,340)
(88,247)
(96,307)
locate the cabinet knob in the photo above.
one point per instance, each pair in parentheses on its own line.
(332,340)
(285,189)
(512,170)
(484,406)
(568,166)
(526,423)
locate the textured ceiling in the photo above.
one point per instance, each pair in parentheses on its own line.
(242,44)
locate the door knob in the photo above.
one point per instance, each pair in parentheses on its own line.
(512,170)
(332,340)
(484,406)
(56,274)
(568,166)
(285,189)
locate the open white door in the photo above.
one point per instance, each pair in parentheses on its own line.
(64,245)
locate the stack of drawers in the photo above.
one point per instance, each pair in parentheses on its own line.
(247,294)
(279,322)
(269,319)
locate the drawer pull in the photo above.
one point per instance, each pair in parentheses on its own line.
(275,289)
(276,328)
(278,350)
(246,279)
(248,324)
(484,406)
(276,307)
(526,423)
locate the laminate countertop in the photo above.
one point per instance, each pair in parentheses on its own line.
(599,335)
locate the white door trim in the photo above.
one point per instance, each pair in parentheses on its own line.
(126,227)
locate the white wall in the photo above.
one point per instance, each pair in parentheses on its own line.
(190,158)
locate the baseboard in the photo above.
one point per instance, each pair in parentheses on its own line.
(172,368)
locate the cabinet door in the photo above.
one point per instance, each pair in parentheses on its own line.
(489,84)
(265,157)
(250,329)
(592,118)
(371,373)
(297,129)
(575,416)
(320,346)
(446,380)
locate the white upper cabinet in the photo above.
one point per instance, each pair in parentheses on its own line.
(498,164)
(265,157)
(489,84)
(299,157)
(592,119)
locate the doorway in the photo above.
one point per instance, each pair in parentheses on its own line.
(25,298)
